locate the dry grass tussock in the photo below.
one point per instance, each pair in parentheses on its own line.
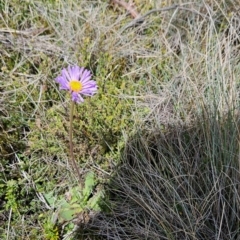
(180,185)
(176,71)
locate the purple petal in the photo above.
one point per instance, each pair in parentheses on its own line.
(85,80)
(65,74)
(74,72)
(76,97)
(63,83)
(89,86)
(85,75)
(88,92)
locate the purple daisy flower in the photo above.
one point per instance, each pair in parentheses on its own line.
(77,80)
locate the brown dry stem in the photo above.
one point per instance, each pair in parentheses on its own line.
(129,7)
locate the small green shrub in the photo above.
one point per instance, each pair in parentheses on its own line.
(50,231)
(11,196)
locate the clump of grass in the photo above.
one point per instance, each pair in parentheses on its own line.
(177,185)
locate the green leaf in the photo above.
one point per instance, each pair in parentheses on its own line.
(75,194)
(89,185)
(51,200)
(67,212)
(93,203)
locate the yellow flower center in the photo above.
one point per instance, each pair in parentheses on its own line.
(75,86)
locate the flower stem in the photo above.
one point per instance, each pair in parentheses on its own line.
(74,164)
